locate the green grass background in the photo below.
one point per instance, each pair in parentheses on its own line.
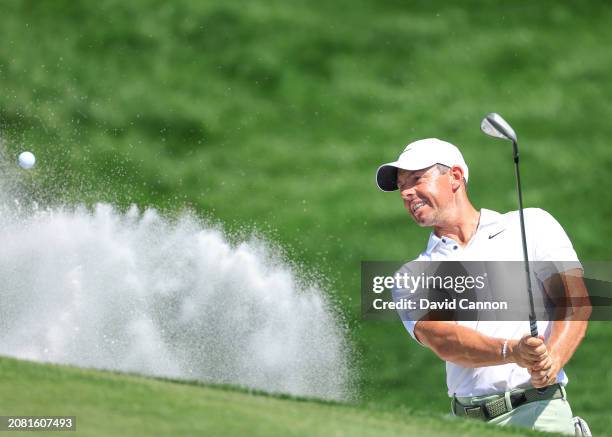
(112,404)
(273,116)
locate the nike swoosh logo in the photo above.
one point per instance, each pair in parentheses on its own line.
(495,235)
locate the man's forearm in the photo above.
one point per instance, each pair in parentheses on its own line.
(462,345)
(565,337)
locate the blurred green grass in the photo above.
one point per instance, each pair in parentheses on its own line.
(116,404)
(273,116)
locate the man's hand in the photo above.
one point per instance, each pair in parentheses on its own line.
(530,352)
(546,373)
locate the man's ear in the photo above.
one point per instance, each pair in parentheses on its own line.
(456,174)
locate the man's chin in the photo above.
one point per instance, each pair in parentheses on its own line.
(424,222)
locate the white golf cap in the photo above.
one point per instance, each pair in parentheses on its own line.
(418,155)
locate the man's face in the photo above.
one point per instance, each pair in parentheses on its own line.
(426,193)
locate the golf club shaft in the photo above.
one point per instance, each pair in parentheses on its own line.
(533,326)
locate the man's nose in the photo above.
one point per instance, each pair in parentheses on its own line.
(407,193)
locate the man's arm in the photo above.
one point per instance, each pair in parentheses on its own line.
(569,292)
(469,348)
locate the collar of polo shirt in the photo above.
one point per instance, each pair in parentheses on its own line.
(489,220)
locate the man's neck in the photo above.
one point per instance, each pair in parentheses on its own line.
(461,226)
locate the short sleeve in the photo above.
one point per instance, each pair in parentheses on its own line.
(408,318)
(554,252)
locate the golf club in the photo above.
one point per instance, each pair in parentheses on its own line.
(494,125)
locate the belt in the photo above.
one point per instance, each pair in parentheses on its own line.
(492,409)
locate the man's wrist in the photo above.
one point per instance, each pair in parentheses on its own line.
(511,351)
(557,361)
(505,351)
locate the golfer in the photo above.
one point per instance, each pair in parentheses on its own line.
(494,369)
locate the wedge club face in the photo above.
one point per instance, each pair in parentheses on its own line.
(495,126)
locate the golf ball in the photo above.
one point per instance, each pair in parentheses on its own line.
(27,160)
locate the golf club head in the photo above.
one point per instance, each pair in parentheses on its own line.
(495,126)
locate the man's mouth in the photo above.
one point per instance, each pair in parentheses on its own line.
(417,205)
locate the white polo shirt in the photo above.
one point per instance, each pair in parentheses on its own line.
(498,238)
